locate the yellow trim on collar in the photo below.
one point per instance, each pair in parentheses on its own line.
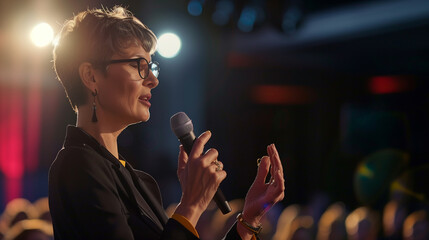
(122,162)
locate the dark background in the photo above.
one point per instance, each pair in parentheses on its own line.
(331,83)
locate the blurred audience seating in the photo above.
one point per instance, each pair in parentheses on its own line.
(23,220)
(416,226)
(362,224)
(332,223)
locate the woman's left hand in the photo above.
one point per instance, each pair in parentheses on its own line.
(261,195)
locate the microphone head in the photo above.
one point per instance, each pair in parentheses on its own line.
(181,124)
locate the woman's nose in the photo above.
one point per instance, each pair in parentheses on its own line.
(151,81)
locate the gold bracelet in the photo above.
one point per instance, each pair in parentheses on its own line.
(255,230)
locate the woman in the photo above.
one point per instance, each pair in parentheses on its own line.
(103,60)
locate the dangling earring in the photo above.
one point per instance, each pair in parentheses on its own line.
(94,108)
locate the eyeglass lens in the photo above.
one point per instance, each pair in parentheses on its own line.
(154,68)
(144,68)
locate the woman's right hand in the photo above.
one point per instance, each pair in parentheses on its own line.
(199,178)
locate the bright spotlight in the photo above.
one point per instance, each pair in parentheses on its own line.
(169,45)
(42,34)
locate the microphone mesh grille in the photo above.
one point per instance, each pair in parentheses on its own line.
(181,124)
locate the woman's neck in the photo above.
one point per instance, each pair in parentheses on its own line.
(105,133)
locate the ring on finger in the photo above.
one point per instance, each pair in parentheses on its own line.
(258,161)
(218,165)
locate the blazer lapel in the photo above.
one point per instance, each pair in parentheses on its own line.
(154,205)
(141,204)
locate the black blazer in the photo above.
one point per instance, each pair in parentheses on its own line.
(93,196)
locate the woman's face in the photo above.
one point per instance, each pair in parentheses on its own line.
(123,96)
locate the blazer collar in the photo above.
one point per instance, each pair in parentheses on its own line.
(78,137)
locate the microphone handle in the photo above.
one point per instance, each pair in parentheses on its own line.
(187,142)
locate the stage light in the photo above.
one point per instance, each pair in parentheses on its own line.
(169,45)
(42,34)
(195,7)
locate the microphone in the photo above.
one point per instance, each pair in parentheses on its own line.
(182,127)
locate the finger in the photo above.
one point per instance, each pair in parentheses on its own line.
(210,156)
(198,147)
(279,181)
(217,165)
(220,165)
(277,158)
(221,175)
(274,158)
(182,159)
(270,154)
(217,173)
(263,170)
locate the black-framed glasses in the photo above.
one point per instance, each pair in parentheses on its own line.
(142,65)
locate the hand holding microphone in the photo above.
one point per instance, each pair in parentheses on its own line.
(199,174)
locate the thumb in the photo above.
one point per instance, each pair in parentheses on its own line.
(263,169)
(182,160)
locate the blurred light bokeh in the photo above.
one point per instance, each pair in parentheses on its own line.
(169,45)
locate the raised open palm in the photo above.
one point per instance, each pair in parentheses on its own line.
(263,195)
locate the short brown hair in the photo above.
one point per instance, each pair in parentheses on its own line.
(94,36)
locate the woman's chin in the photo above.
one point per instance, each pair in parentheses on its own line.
(139,119)
(145,118)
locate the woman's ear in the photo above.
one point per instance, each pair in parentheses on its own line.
(86,73)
